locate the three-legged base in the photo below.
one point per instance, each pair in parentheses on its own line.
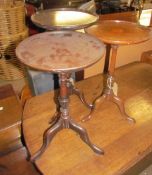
(61,124)
(64,121)
(73,90)
(108,94)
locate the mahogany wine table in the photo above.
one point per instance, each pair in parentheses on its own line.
(124,144)
(61,52)
(116,33)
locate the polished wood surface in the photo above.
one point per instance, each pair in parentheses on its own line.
(124,144)
(11,110)
(125,16)
(60,51)
(117,33)
(130,16)
(120,32)
(10,120)
(16,163)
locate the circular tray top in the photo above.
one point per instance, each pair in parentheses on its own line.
(120,32)
(64,19)
(60,51)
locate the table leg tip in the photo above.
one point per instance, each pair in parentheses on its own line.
(131,120)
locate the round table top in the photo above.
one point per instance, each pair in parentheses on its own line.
(64,19)
(60,51)
(120,32)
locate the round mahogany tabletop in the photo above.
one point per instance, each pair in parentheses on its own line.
(60,51)
(120,32)
(64,19)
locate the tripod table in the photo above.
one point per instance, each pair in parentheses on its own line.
(116,33)
(61,52)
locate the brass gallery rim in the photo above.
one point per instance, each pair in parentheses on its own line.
(64,18)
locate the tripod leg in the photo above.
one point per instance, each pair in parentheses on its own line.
(81,97)
(97,99)
(84,136)
(121,107)
(47,138)
(55,118)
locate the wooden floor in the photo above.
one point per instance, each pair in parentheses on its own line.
(124,144)
(15,163)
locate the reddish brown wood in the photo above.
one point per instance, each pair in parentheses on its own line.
(62,54)
(115,33)
(112,63)
(132,16)
(120,32)
(6,91)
